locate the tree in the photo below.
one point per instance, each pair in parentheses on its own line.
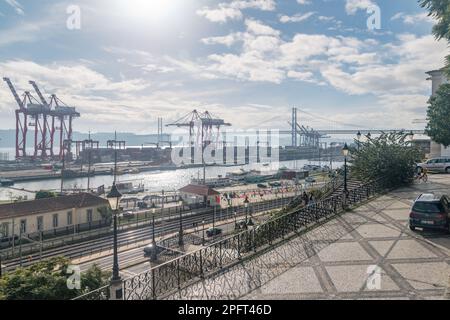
(47,280)
(440,10)
(438,114)
(43,194)
(389,156)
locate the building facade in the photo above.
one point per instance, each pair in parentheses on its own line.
(71,213)
(193,194)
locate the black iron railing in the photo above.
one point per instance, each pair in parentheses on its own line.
(164,279)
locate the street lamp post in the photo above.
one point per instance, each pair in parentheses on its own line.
(114,197)
(246,202)
(345,152)
(180,235)
(358,135)
(235,220)
(154,254)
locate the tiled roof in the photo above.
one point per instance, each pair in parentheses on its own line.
(200,190)
(41,206)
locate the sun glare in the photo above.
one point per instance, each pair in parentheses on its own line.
(150,9)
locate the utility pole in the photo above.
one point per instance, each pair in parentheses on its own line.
(62,170)
(89,164)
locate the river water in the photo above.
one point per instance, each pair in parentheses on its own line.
(154,181)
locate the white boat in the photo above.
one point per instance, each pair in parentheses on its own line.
(129,188)
(214,182)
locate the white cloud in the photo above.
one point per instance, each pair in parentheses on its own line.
(222,14)
(227,40)
(17,6)
(413,18)
(351,6)
(258,28)
(296,18)
(233,10)
(25,32)
(303,2)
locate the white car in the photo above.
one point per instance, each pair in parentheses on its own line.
(436,164)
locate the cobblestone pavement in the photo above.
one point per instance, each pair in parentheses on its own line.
(368,253)
(412,265)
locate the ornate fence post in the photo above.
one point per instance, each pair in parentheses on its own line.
(239,246)
(220,255)
(201,264)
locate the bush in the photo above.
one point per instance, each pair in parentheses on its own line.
(47,280)
(44,194)
(389,156)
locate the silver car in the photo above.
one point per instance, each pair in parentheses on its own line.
(436,164)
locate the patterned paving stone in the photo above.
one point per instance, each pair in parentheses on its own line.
(382,247)
(377,231)
(398,214)
(353,218)
(430,275)
(410,249)
(296,280)
(351,251)
(354,278)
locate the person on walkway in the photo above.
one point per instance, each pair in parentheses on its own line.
(305,198)
(311,199)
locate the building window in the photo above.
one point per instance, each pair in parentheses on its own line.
(69,218)
(55,221)
(89,215)
(23,226)
(40,223)
(4,230)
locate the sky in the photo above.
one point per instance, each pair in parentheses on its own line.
(124,63)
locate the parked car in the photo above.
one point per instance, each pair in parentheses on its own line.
(274,184)
(261,185)
(436,164)
(310,180)
(142,205)
(128,214)
(430,211)
(211,232)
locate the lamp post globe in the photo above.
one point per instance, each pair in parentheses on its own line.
(358,136)
(114,197)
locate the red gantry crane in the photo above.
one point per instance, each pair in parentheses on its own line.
(42,116)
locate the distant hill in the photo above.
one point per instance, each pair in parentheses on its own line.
(8,138)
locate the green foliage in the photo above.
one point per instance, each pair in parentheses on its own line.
(440,10)
(438,127)
(389,156)
(105,213)
(43,194)
(47,280)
